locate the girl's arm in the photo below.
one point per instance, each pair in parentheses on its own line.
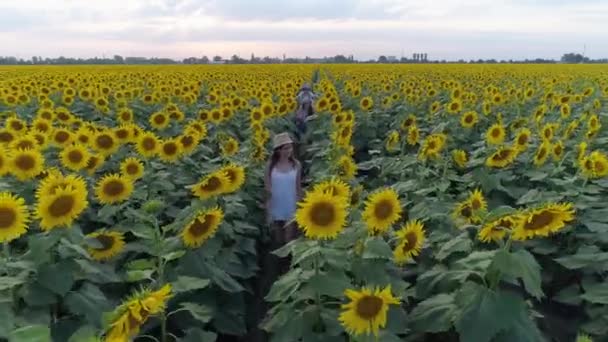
(299,192)
(267,188)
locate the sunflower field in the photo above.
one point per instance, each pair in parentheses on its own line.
(442,203)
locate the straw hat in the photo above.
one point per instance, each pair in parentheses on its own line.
(281,139)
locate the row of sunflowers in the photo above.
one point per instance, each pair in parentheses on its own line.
(443,203)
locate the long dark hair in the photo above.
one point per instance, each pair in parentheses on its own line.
(274,159)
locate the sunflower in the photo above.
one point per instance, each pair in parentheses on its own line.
(14,217)
(382,210)
(147,145)
(75,157)
(203,227)
(347,168)
(123,133)
(558,150)
(132,168)
(25,142)
(464,213)
(15,125)
(212,185)
(454,107)
(411,238)
(408,122)
(432,146)
(335,187)
(127,319)
(542,153)
(95,162)
(366,103)
(460,158)
(113,188)
(595,165)
(159,120)
(522,139)
(236,176)
(392,141)
(107,245)
(125,115)
(229,147)
(105,143)
(321,215)
(497,229)
(54,180)
(62,137)
(547,132)
(478,202)
(169,151)
(42,125)
(367,310)
(502,158)
(4,161)
(413,133)
(582,150)
(469,119)
(543,221)
(61,207)
(565,111)
(26,164)
(495,135)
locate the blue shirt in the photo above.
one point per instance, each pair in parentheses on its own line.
(283,194)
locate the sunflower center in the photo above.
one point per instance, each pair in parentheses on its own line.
(148,144)
(322,213)
(369,307)
(75,156)
(558,150)
(466,211)
(114,188)
(496,133)
(16,125)
(132,169)
(62,205)
(231,175)
(187,141)
(599,167)
(25,162)
(61,137)
(541,153)
(199,228)
(476,204)
(432,145)
(106,242)
(409,242)
(170,149)
(383,209)
(468,119)
(122,134)
(502,155)
(159,119)
(212,184)
(7,217)
(105,141)
(522,139)
(539,220)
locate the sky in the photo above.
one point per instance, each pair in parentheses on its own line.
(444,29)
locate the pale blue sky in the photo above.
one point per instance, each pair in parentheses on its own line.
(445,29)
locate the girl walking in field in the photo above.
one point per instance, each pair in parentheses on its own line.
(283,188)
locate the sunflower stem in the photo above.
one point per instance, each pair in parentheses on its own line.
(6,250)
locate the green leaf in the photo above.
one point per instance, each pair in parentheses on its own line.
(461,243)
(485,313)
(434,314)
(37,295)
(583,258)
(58,278)
(107,212)
(377,248)
(185,284)
(139,275)
(198,335)
(90,302)
(531,196)
(330,284)
(570,295)
(173,255)
(521,264)
(596,293)
(86,333)
(7,318)
(10,282)
(31,333)
(201,313)
(285,286)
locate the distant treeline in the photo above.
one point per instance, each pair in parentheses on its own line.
(338,59)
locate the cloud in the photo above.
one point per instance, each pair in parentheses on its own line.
(448,29)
